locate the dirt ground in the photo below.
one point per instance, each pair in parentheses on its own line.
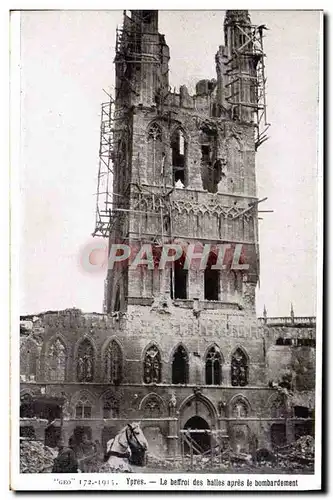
(259,469)
(230,470)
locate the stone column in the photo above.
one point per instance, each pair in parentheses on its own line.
(172,438)
(290,431)
(40,431)
(66,432)
(226,378)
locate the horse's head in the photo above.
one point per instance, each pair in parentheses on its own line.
(135,437)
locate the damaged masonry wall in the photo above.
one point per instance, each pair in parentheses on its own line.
(254,407)
(177,349)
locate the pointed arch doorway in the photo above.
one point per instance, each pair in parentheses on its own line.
(200,438)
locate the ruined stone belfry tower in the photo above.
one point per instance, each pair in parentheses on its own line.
(178,347)
(184,166)
(184,173)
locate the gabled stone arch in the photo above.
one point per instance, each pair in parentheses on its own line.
(109,402)
(239,399)
(179,362)
(112,370)
(153,405)
(155,124)
(85,339)
(179,154)
(83,393)
(47,343)
(212,374)
(239,364)
(27,391)
(174,349)
(214,344)
(81,398)
(151,343)
(86,336)
(239,346)
(190,406)
(177,125)
(107,342)
(56,368)
(275,407)
(30,354)
(151,360)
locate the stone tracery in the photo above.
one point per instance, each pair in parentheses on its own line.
(85,362)
(152,366)
(239,368)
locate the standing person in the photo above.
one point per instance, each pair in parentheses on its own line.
(66,461)
(88,450)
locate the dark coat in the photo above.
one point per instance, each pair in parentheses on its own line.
(65,462)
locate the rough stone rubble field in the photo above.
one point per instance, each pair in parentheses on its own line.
(295,458)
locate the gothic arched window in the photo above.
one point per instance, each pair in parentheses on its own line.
(211,279)
(278,408)
(113,363)
(85,362)
(213,367)
(110,407)
(239,410)
(180,366)
(152,406)
(178,146)
(28,360)
(57,361)
(83,408)
(152,366)
(211,166)
(156,154)
(239,368)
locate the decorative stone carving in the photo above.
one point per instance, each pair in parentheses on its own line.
(113,363)
(278,408)
(239,410)
(152,366)
(172,404)
(222,407)
(239,369)
(57,361)
(85,362)
(213,367)
(152,406)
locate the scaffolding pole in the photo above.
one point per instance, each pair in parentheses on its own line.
(246,73)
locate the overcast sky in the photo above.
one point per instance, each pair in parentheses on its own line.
(66,61)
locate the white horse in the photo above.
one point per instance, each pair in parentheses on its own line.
(120,450)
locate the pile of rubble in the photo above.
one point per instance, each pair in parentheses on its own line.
(298,456)
(299,453)
(152,461)
(220,461)
(35,457)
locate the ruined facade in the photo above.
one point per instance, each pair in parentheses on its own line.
(178,348)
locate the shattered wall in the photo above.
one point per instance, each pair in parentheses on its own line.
(160,405)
